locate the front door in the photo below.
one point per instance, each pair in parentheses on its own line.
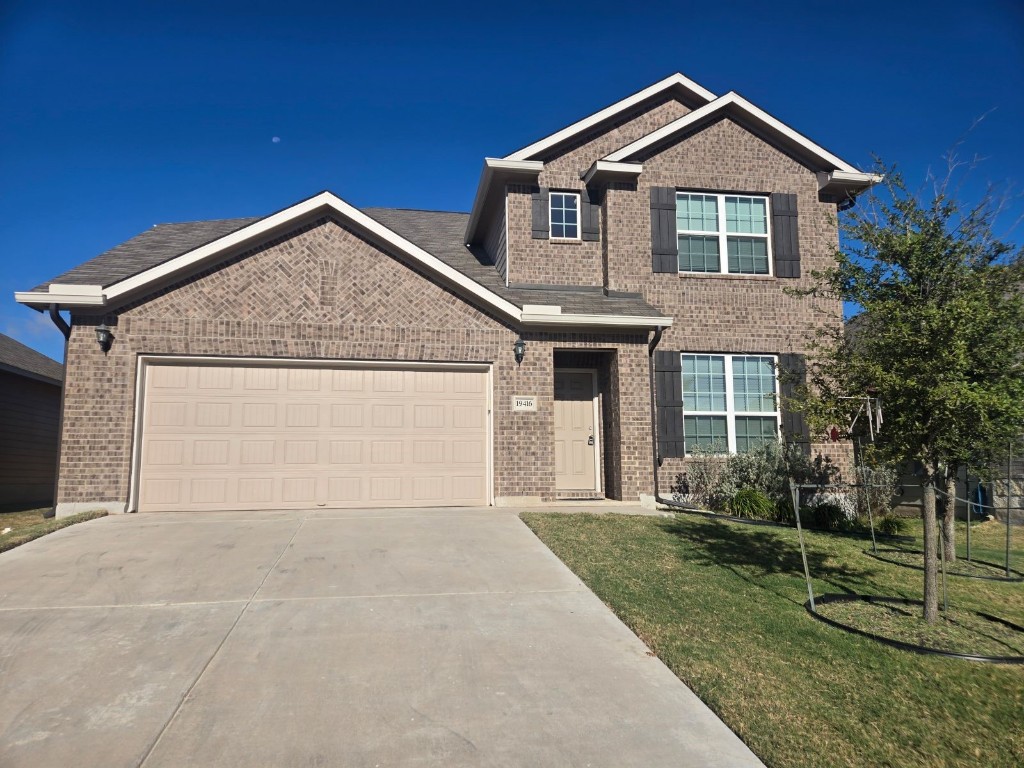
(575,433)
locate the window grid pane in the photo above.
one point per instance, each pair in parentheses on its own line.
(704,383)
(706,433)
(748,255)
(746,215)
(697,213)
(754,431)
(698,254)
(564,221)
(753,384)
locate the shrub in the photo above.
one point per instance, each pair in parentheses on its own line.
(892,525)
(830,510)
(752,504)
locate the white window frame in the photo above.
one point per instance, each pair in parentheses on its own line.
(730,411)
(579,214)
(723,235)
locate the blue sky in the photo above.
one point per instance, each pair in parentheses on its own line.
(116,116)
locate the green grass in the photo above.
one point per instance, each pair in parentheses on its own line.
(722,605)
(30,524)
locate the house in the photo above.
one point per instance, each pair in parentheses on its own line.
(327,356)
(30,387)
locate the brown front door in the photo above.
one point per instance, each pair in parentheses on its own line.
(575,432)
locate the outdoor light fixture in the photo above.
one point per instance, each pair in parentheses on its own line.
(519,350)
(104,337)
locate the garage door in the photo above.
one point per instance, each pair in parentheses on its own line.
(261,437)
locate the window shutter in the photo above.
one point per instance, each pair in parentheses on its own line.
(793,374)
(590,217)
(664,246)
(541,214)
(785,235)
(668,387)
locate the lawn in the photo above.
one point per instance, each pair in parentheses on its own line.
(722,605)
(30,524)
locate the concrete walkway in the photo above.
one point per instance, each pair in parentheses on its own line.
(397,638)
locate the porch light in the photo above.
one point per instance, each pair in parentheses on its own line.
(519,350)
(104,337)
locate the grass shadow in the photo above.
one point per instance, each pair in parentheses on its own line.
(754,553)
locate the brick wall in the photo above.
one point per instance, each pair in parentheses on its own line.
(320,292)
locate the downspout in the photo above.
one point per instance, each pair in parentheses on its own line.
(65,328)
(651,346)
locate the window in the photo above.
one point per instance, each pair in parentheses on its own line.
(729,402)
(565,215)
(708,226)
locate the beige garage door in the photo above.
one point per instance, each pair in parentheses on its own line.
(262,437)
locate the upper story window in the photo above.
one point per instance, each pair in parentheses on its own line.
(729,402)
(710,226)
(565,215)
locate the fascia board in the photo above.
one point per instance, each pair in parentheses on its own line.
(731,99)
(594,321)
(64,299)
(605,169)
(496,168)
(598,117)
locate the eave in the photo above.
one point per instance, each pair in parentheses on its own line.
(490,192)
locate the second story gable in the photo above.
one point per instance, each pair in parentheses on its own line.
(670,181)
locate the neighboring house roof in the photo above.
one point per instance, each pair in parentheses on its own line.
(18,359)
(433,240)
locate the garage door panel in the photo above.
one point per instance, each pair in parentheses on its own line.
(250,437)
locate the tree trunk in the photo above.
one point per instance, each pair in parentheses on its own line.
(949,516)
(928,510)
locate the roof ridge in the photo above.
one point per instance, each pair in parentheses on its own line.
(412,210)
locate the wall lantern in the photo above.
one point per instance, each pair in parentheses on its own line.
(104,337)
(519,350)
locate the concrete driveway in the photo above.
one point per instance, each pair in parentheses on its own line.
(411,638)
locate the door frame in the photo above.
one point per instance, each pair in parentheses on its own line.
(598,426)
(146,360)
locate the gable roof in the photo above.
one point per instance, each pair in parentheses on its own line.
(430,240)
(18,359)
(734,104)
(676,82)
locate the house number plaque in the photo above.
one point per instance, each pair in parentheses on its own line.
(524,402)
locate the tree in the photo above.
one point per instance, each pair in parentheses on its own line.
(939,337)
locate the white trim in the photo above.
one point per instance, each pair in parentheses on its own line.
(146,360)
(586,123)
(608,170)
(723,234)
(613,321)
(598,432)
(64,299)
(497,169)
(731,99)
(551,208)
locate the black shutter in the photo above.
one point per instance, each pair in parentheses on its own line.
(668,386)
(785,235)
(590,217)
(793,374)
(664,246)
(541,214)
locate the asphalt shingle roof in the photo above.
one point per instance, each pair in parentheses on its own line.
(440,233)
(156,245)
(17,358)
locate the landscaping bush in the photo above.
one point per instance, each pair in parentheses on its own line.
(892,525)
(830,511)
(752,504)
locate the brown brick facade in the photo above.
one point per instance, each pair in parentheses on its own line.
(274,302)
